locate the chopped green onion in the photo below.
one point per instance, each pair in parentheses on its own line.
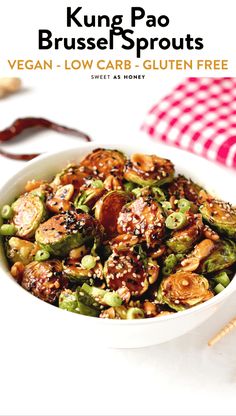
(7,229)
(219,288)
(222,278)
(112,299)
(179,256)
(166,271)
(97,183)
(88,262)
(83,208)
(137,192)
(166,206)
(96,292)
(170,261)
(134,313)
(158,193)
(169,264)
(184,205)
(86,310)
(42,255)
(176,220)
(7,212)
(129,186)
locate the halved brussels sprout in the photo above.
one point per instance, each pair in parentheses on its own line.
(74,175)
(184,239)
(20,250)
(182,187)
(105,162)
(77,273)
(89,197)
(144,219)
(183,290)
(148,170)
(126,270)
(44,280)
(221,216)
(223,256)
(63,232)
(108,208)
(29,212)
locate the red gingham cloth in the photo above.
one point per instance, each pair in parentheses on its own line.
(199,116)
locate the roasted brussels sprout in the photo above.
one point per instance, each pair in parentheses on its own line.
(126,270)
(29,212)
(148,170)
(44,280)
(108,208)
(223,256)
(144,219)
(89,197)
(105,162)
(74,175)
(184,239)
(63,232)
(75,272)
(20,250)
(182,187)
(183,290)
(221,216)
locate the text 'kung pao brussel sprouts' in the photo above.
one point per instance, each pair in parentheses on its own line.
(120,238)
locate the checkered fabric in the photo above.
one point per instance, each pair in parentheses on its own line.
(199,116)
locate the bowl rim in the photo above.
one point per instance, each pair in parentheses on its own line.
(97,144)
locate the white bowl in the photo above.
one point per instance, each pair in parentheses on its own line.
(115,333)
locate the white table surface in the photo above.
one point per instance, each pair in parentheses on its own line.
(40,375)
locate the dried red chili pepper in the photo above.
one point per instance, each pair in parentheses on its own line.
(22,124)
(17,156)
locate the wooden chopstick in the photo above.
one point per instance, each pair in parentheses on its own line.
(224,331)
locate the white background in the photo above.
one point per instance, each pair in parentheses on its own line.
(41,372)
